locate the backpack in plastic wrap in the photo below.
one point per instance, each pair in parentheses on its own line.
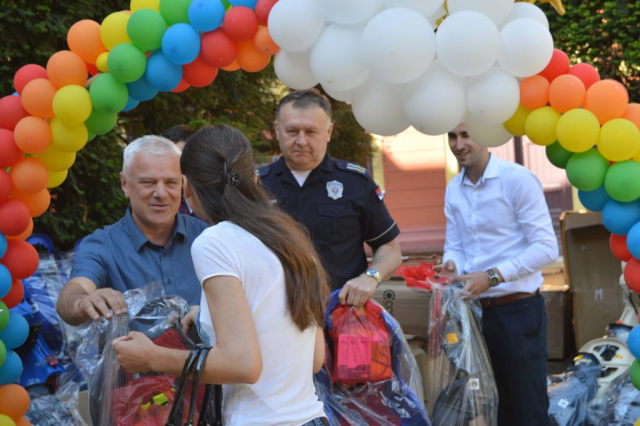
(462,389)
(569,394)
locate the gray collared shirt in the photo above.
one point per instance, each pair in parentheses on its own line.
(119,256)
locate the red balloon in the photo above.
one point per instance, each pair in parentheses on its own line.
(632,274)
(93,70)
(558,65)
(181,87)
(11,154)
(240,23)
(263,8)
(199,73)
(5,185)
(217,49)
(15,295)
(618,244)
(11,111)
(585,72)
(21,259)
(26,74)
(14,217)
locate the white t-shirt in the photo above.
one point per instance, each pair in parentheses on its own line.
(285,393)
(301,177)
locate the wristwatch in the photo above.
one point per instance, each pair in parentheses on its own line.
(372,272)
(494,278)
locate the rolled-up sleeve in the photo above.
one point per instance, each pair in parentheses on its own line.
(89,261)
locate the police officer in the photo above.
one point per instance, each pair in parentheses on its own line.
(337,201)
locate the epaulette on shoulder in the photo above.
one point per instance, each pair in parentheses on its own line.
(352,167)
(263,171)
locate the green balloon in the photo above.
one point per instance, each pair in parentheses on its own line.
(557,155)
(101,123)
(226,4)
(126,63)
(635,373)
(4,315)
(175,11)
(3,353)
(108,94)
(586,170)
(146,28)
(623,181)
(91,137)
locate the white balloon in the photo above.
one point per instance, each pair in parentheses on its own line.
(436,102)
(493,96)
(398,45)
(335,58)
(526,10)
(340,95)
(468,43)
(496,10)
(378,107)
(293,69)
(489,135)
(349,11)
(526,47)
(295,25)
(425,7)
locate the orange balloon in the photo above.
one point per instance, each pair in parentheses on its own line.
(534,92)
(37,203)
(84,40)
(233,67)
(32,135)
(250,58)
(265,43)
(632,113)
(14,401)
(29,175)
(26,234)
(181,87)
(566,92)
(23,421)
(37,97)
(66,68)
(606,99)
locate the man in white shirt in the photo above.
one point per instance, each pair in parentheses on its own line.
(499,236)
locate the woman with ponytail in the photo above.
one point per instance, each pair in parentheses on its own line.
(263,292)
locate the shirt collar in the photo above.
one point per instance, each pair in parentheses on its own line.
(490,172)
(139,239)
(280,166)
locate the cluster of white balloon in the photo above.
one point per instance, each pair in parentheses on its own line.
(386,58)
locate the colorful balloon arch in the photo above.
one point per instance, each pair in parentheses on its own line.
(490,63)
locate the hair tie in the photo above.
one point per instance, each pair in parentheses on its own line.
(229,178)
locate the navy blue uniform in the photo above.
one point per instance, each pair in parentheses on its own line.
(341,206)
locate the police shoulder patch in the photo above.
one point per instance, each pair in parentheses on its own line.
(352,167)
(263,171)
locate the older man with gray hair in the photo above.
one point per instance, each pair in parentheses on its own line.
(152,242)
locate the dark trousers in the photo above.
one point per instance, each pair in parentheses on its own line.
(516,336)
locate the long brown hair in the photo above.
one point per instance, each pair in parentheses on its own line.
(218,164)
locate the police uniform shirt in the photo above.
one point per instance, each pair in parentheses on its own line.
(341,206)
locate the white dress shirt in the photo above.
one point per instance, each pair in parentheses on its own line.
(500,222)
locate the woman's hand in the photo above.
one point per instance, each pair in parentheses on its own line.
(190,318)
(134,351)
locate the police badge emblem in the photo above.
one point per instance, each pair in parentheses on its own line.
(334,189)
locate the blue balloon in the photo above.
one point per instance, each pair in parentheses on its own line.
(594,200)
(251,4)
(131,104)
(162,74)
(5,281)
(3,245)
(16,331)
(142,90)
(206,15)
(11,370)
(181,44)
(633,240)
(619,217)
(633,341)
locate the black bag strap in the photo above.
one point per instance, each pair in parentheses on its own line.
(197,372)
(218,400)
(189,365)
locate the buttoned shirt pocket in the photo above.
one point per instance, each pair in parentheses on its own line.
(337,222)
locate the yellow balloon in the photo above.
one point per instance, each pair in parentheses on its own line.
(72,104)
(101,62)
(113,30)
(6,420)
(56,178)
(145,4)
(578,130)
(637,423)
(540,125)
(68,137)
(515,125)
(56,160)
(619,140)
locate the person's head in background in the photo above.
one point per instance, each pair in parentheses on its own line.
(178,134)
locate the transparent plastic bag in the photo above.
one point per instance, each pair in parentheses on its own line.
(397,400)
(60,408)
(569,394)
(618,406)
(462,389)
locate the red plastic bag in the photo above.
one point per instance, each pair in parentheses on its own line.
(361,344)
(418,276)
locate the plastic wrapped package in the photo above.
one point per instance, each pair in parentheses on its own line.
(61,407)
(618,406)
(375,385)
(118,398)
(462,389)
(569,394)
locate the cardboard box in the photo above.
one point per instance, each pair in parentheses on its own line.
(593,310)
(409,306)
(557,301)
